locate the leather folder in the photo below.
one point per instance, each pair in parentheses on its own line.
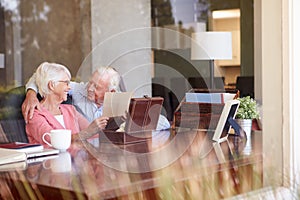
(141,120)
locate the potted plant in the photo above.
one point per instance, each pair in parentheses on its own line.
(246,112)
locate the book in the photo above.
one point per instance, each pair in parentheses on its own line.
(22,165)
(31,150)
(22,147)
(11,156)
(209,97)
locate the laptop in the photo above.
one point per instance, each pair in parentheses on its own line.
(40,158)
(42,153)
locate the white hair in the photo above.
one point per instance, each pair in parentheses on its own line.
(114,77)
(47,72)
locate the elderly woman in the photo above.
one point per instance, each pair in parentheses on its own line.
(53,82)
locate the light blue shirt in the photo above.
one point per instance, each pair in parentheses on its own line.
(85,106)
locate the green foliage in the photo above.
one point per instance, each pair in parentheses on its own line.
(247,108)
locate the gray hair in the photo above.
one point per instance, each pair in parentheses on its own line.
(114,77)
(47,72)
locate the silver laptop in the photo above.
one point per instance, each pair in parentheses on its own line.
(42,153)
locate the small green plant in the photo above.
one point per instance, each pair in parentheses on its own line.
(247,108)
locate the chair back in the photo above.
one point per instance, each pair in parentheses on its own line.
(11,119)
(245,84)
(3,138)
(160,90)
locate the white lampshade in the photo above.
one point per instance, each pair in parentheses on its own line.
(211,46)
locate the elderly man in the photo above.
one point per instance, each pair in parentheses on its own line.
(87,97)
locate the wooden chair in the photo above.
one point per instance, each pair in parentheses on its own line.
(179,86)
(199,82)
(203,83)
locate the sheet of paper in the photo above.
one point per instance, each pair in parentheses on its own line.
(116,103)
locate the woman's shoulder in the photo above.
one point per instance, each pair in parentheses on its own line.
(67,106)
(39,114)
(41,111)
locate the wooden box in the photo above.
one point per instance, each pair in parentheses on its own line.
(198,115)
(142,119)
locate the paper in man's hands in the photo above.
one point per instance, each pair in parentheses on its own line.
(116,103)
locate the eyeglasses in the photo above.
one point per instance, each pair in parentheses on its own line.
(67,82)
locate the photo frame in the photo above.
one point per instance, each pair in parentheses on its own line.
(223,151)
(226,120)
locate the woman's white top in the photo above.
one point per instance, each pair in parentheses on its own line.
(60,118)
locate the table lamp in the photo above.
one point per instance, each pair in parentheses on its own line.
(211,46)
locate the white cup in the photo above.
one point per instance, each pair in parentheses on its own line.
(60,139)
(60,164)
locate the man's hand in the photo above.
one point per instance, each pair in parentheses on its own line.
(30,103)
(94,127)
(98,124)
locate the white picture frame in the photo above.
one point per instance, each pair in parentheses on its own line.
(223,126)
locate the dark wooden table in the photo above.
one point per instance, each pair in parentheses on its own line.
(173,164)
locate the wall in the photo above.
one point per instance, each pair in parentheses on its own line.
(247,38)
(2,47)
(51,31)
(121,38)
(69,32)
(271,69)
(37,31)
